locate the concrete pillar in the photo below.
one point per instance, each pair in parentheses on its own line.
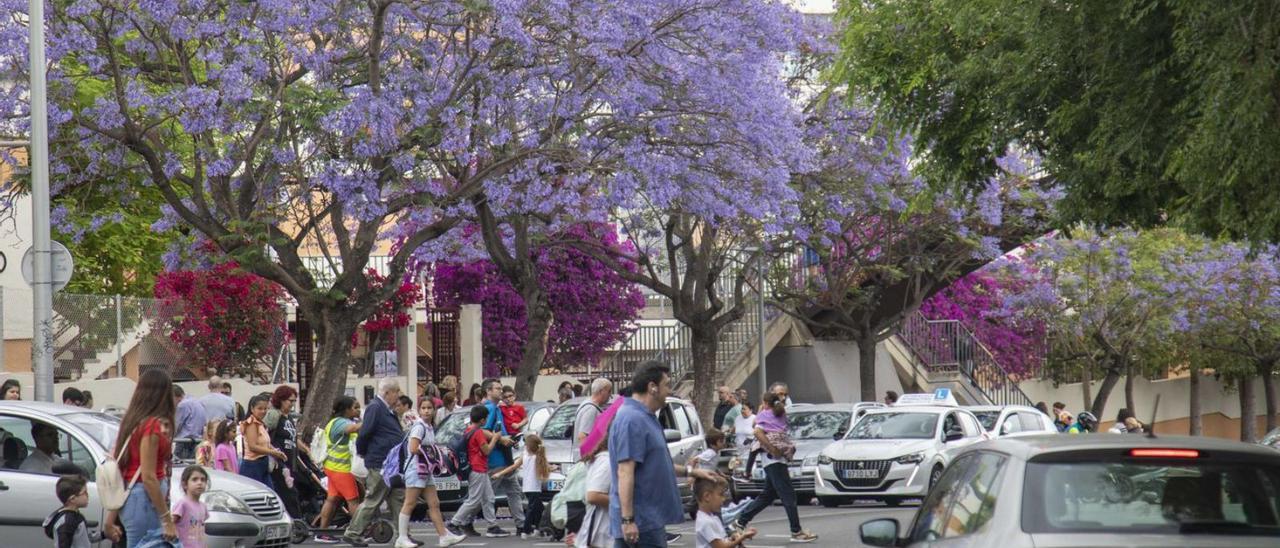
(470,347)
(407,354)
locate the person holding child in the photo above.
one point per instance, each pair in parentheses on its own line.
(776,450)
(67,526)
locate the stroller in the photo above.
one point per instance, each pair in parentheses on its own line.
(311,496)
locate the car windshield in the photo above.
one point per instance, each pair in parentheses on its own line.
(451,428)
(901,425)
(100,426)
(1200,497)
(560,423)
(988,419)
(813,425)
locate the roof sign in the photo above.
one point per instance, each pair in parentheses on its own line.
(941,396)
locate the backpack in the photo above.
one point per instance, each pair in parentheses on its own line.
(320,446)
(111,488)
(459,448)
(574,490)
(396,464)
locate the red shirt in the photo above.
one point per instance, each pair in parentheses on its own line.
(164,449)
(479,460)
(512,415)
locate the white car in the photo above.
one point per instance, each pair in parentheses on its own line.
(242,512)
(894,453)
(1012,420)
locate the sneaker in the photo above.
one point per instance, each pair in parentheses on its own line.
(803,537)
(672,537)
(416,542)
(353,541)
(454,530)
(450,539)
(325,539)
(405,543)
(496,532)
(470,530)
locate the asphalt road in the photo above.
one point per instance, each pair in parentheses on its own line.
(834,527)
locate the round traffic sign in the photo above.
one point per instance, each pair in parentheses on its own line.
(60,258)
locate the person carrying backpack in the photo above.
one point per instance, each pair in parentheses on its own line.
(418,479)
(479,443)
(339,437)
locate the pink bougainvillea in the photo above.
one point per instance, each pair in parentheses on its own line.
(977,301)
(592,306)
(224,318)
(391,313)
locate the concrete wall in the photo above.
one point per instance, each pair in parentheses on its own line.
(824,372)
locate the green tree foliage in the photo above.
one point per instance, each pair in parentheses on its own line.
(1142,110)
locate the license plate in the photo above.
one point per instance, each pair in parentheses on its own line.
(448,484)
(861,474)
(555,485)
(273,532)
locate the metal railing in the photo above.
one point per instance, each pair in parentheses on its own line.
(948,346)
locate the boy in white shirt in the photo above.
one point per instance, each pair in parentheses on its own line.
(710,532)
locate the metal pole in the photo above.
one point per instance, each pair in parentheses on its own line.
(3,335)
(42,319)
(119,337)
(760,352)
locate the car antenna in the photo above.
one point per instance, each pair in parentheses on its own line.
(1151,426)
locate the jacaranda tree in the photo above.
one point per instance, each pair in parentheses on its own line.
(280,129)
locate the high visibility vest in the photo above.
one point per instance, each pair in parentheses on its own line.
(337,455)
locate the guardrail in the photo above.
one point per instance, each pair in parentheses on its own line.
(948,346)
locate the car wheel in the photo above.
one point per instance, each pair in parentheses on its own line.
(934,476)
(829,502)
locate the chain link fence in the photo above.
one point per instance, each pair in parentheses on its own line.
(109,336)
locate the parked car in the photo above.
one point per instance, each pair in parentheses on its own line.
(894,453)
(1012,420)
(813,427)
(1059,491)
(242,512)
(679,422)
(1272,439)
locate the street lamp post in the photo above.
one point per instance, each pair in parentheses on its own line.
(760,353)
(42,317)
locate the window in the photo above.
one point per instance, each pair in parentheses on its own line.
(932,516)
(972,428)
(1200,496)
(875,426)
(696,427)
(816,425)
(681,420)
(1032,422)
(21,442)
(976,496)
(988,419)
(560,425)
(1012,425)
(951,424)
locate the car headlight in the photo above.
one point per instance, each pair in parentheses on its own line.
(823,459)
(222,501)
(810,461)
(913,458)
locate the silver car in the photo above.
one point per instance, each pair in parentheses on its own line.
(1012,420)
(451,489)
(242,512)
(1098,490)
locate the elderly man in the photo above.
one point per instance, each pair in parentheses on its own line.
(725,394)
(644,498)
(585,418)
(379,432)
(217,404)
(190,424)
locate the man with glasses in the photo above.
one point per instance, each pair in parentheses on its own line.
(514,415)
(501,457)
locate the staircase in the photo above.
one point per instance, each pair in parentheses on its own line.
(944,353)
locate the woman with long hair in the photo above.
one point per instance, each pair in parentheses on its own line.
(418,478)
(476,396)
(777,450)
(258,451)
(284,436)
(145,448)
(11,390)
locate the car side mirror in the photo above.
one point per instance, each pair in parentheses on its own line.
(1007,428)
(880,532)
(953,436)
(671,436)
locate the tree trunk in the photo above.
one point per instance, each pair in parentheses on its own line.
(1248,412)
(333,357)
(1086,382)
(537,310)
(1129,373)
(1269,393)
(1194,400)
(867,368)
(1104,391)
(704,342)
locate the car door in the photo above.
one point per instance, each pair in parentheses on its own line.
(1010,424)
(27,498)
(1036,423)
(958,516)
(681,451)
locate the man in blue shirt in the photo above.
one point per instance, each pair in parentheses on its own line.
(501,458)
(644,497)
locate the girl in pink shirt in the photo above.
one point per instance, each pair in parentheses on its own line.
(189,514)
(224,454)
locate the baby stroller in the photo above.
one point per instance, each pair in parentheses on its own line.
(311,495)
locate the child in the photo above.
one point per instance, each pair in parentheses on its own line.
(66,526)
(772,419)
(534,472)
(710,532)
(205,451)
(418,479)
(189,514)
(224,453)
(480,443)
(709,458)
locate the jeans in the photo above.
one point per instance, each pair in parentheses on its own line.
(376,491)
(259,470)
(138,516)
(656,538)
(777,485)
(533,518)
(479,499)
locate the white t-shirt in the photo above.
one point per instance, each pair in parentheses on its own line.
(37,461)
(744,428)
(599,480)
(424,433)
(709,460)
(584,420)
(529,481)
(708,528)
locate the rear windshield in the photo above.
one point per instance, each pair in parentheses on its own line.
(560,424)
(1179,497)
(988,419)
